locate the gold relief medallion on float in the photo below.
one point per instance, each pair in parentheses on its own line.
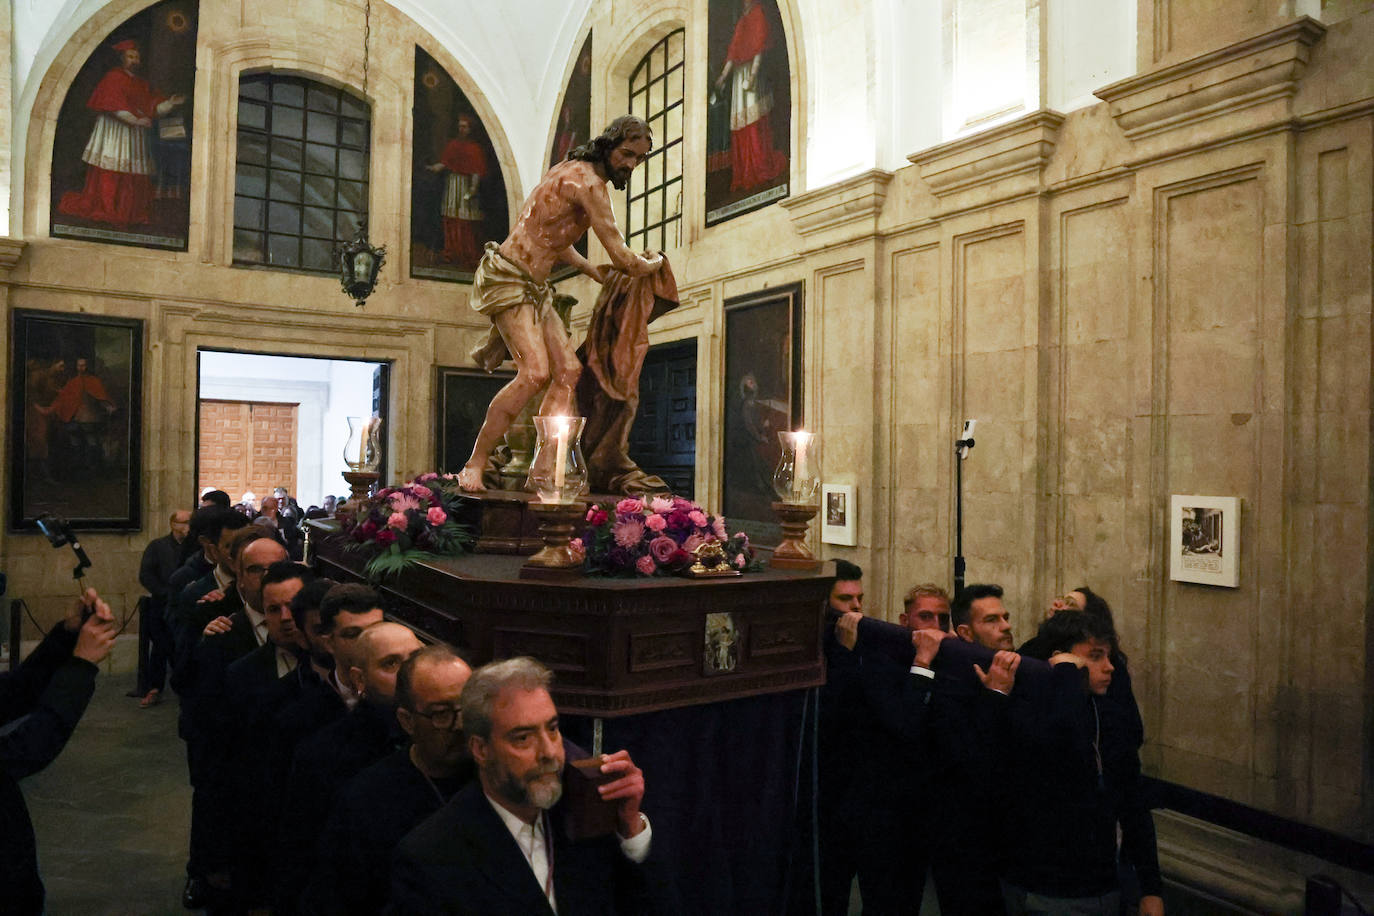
(711,561)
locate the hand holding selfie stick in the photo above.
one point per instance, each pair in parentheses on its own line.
(961,450)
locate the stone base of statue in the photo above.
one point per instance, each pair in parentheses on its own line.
(504,523)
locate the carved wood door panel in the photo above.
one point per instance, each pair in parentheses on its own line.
(663,440)
(247,445)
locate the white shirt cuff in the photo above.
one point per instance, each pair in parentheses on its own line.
(923,672)
(636,848)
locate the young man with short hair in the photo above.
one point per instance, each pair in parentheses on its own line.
(1072,778)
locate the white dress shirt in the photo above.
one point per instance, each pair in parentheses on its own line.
(535,845)
(259,622)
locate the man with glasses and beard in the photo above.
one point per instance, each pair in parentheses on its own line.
(388,799)
(502,845)
(511,286)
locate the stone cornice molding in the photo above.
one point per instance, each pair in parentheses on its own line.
(843,204)
(1003,161)
(1264,69)
(11,250)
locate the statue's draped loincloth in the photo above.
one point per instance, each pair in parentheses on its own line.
(499,285)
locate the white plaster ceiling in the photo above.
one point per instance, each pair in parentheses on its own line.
(515,51)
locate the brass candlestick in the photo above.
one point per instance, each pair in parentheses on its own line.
(556,559)
(360,483)
(793,553)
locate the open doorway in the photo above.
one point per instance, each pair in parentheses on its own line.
(265,421)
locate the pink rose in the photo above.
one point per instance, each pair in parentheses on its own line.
(661,504)
(597,515)
(646,565)
(655,523)
(436,516)
(386,537)
(629,532)
(629,506)
(430,476)
(698,518)
(693,542)
(398,521)
(662,549)
(576,544)
(422,492)
(739,561)
(718,527)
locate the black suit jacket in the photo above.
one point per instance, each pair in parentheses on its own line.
(464,862)
(51,689)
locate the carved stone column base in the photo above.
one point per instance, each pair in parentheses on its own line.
(556,559)
(793,553)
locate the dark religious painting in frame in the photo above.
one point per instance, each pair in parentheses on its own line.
(573,127)
(121,156)
(76,396)
(461,397)
(763,376)
(749,108)
(457,193)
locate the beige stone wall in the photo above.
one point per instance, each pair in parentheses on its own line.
(1166,292)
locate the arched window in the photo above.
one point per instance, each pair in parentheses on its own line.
(654,203)
(301,175)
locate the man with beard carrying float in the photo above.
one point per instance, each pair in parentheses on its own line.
(511,285)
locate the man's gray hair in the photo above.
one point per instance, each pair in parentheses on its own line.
(486,684)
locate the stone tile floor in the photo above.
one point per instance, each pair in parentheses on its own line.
(112,813)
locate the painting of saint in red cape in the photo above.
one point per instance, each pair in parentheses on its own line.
(122,154)
(749,118)
(457,196)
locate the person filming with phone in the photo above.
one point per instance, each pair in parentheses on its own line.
(48,692)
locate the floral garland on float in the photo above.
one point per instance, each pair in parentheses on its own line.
(659,536)
(408,524)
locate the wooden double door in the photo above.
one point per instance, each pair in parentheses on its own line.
(247,446)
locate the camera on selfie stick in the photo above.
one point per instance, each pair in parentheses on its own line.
(59,533)
(961,450)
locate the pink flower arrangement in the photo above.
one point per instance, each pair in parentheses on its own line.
(638,537)
(403,525)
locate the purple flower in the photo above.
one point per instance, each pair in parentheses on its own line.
(645,565)
(619,558)
(679,521)
(662,548)
(386,538)
(628,532)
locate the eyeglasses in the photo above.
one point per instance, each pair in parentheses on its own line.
(446,717)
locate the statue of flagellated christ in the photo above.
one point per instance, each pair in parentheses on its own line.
(511,285)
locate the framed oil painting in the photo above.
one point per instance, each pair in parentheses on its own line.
(457,193)
(749,108)
(461,399)
(121,156)
(76,398)
(763,376)
(1204,543)
(574,127)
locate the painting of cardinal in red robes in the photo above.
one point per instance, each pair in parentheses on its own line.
(128,181)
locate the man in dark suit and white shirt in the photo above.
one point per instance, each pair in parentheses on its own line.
(501,845)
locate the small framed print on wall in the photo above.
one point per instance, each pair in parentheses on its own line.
(1204,541)
(838,513)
